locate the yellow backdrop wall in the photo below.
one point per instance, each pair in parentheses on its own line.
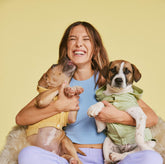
(30,32)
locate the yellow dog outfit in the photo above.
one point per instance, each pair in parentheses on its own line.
(58,121)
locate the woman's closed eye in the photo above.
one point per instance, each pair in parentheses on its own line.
(86,38)
(72,38)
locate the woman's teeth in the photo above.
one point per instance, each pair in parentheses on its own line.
(79,53)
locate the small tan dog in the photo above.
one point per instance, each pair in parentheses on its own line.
(48,133)
(122,140)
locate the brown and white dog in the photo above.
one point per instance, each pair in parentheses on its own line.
(120,75)
(48,137)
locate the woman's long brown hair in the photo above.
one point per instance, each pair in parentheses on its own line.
(100,56)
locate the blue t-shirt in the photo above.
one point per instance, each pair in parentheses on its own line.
(84,130)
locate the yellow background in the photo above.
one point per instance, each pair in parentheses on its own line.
(30,32)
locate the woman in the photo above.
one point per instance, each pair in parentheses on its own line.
(83,45)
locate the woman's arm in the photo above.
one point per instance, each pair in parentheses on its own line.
(111,114)
(30,114)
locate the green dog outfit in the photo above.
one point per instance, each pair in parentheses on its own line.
(122,134)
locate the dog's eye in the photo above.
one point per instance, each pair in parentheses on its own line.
(113,70)
(126,71)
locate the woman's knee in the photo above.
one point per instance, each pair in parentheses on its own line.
(36,155)
(152,157)
(26,155)
(143,157)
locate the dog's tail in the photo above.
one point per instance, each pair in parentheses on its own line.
(16,140)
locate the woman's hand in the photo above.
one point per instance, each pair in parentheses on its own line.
(30,114)
(64,103)
(111,114)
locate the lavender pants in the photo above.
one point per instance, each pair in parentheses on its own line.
(36,155)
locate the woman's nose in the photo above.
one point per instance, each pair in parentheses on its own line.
(79,43)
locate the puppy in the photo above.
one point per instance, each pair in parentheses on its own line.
(122,140)
(48,133)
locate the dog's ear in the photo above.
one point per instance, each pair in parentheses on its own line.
(136,73)
(105,70)
(43,81)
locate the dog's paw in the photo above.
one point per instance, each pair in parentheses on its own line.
(79,90)
(73,161)
(95,109)
(72,91)
(109,162)
(116,156)
(149,145)
(69,91)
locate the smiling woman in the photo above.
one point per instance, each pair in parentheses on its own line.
(82,44)
(80,48)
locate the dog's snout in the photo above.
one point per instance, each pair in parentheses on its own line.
(118,80)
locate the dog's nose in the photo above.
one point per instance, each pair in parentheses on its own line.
(118,80)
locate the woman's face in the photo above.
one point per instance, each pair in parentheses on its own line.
(79,46)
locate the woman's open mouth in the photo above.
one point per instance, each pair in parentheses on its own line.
(79,52)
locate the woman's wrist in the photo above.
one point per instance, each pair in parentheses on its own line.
(125,118)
